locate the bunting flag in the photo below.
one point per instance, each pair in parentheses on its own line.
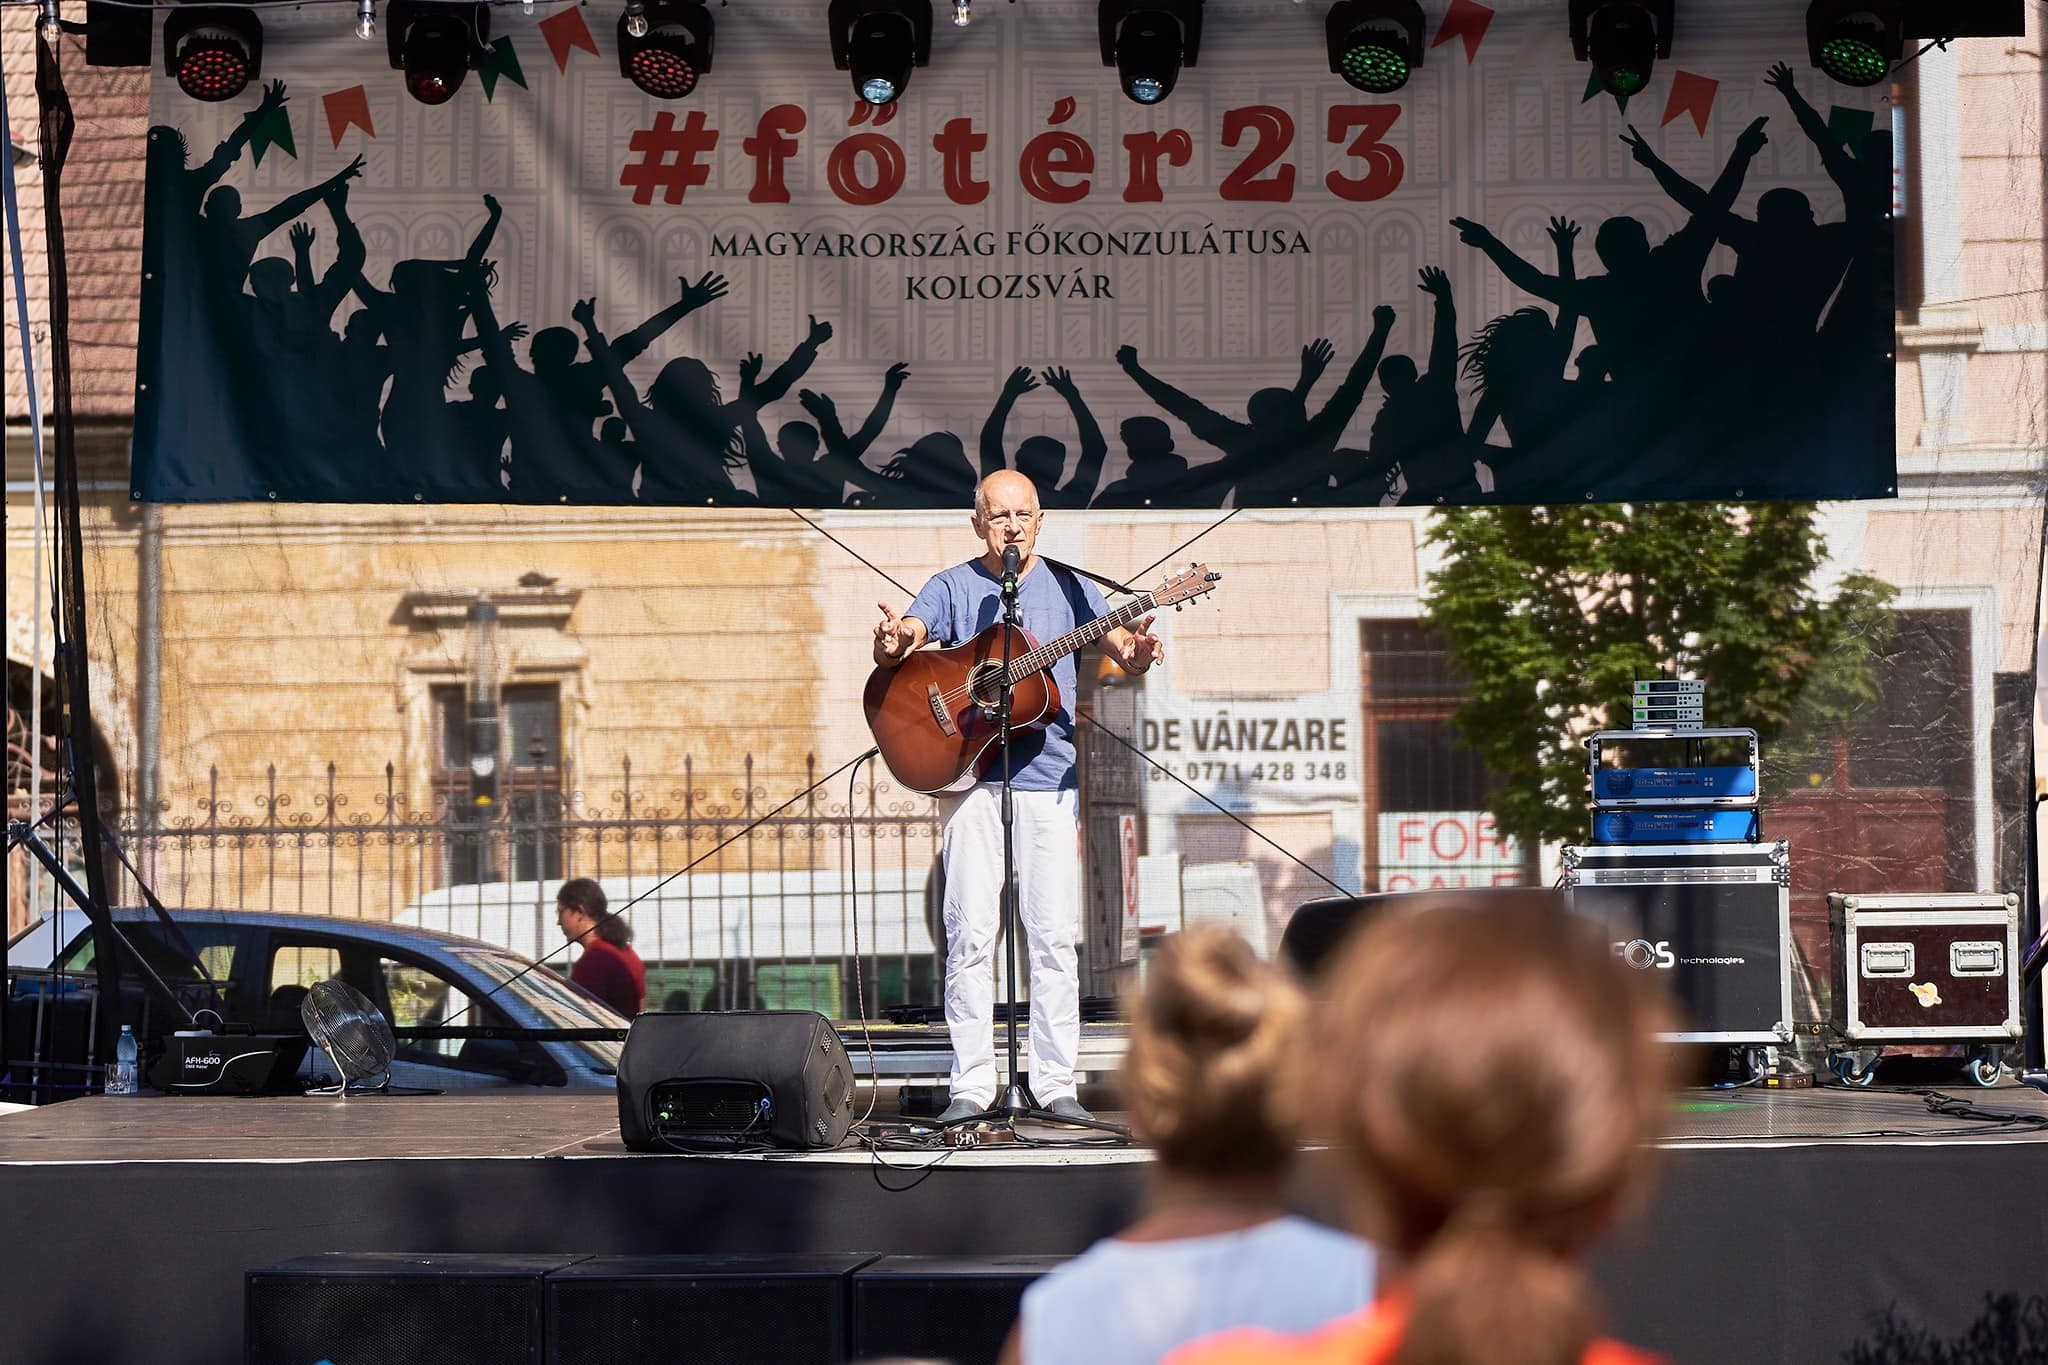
(564,32)
(1465,19)
(1851,126)
(273,128)
(500,60)
(1593,87)
(348,108)
(1693,95)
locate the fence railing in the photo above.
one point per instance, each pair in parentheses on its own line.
(739,897)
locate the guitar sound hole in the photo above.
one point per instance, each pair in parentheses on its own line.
(984,685)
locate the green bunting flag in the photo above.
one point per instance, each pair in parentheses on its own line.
(501,61)
(272,128)
(1593,87)
(1850,126)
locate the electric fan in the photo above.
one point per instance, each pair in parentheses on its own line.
(353,1034)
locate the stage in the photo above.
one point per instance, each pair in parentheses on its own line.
(1786,1221)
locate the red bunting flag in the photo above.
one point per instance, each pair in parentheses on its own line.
(565,31)
(1465,19)
(1693,95)
(346,109)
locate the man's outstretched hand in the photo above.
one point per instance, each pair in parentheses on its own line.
(894,636)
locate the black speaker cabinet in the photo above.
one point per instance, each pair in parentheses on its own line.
(396,1309)
(770,1078)
(956,1308)
(720,1310)
(1319,930)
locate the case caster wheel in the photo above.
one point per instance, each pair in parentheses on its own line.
(1984,1068)
(1843,1064)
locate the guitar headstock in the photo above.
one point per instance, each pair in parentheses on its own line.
(1183,584)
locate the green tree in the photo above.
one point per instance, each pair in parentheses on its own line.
(1552,612)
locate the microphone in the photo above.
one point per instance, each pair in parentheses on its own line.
(1010,558)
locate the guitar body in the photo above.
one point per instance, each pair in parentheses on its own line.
(933,716)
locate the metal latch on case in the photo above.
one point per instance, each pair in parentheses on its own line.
(1970,957)
(1887,959)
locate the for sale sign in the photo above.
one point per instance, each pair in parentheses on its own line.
(1432,849)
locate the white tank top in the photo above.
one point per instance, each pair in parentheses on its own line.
(1130,1303)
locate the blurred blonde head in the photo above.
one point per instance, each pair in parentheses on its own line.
(1495,1082)
(1206,1077)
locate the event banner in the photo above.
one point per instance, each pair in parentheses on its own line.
(1497,283)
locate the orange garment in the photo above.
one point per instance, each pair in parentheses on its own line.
(1366,1338)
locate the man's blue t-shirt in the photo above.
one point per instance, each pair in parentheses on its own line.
(966,599)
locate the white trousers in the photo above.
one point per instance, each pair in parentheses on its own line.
(1047,850)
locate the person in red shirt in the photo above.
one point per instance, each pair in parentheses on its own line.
(609,968)
(1494,1084)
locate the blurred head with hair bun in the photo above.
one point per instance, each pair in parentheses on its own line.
(1207,1077)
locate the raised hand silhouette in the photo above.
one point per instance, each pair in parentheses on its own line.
(820,333)
(1637,147)
(1020,382)
(1779,78)
(1564,233)
(707,288)
(1473,234)
(1434,282)
(1315,358)
(1061,382)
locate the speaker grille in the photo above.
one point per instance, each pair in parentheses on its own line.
(424,1319)
(962,1316)
(709,1321)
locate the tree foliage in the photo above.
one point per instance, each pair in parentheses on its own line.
(1553,612)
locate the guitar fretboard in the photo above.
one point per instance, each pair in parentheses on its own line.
(1053,650)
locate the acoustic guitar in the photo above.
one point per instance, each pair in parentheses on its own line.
(934,716)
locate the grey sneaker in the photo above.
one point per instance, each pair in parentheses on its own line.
(960,1109)
(1067,1107)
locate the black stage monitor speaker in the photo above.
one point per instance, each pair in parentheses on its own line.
(721,1310)
(1319,929)
(956,1308)
(767,1078)
(397,1309)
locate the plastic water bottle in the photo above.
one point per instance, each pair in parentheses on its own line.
(121,1080)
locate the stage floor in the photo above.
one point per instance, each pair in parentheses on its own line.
(586,1124)
(1786,1223)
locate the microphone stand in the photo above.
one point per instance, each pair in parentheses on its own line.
(1016,1102)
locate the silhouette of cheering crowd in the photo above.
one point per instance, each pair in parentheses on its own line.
(1765,382)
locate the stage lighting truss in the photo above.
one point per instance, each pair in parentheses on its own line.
(1854,42)
(1622,39)
(435,45)
(1148,41)
(671,52)
(879,41)
(1375,44)
(211,51)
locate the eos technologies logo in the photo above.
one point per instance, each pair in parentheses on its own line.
(1642,954)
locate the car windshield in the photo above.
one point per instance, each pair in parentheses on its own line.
(558,1002)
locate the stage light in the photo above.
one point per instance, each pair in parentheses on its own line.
(671,52)
(366,20)
(435,45)
(879,41)
(1622,39)
(1375,44)
(211,51)
(1854,42)
(1148,41)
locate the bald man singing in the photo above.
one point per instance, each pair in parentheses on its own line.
(954,606)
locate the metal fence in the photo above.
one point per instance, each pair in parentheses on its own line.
(739,895)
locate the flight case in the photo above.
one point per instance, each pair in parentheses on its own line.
(1715,921)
